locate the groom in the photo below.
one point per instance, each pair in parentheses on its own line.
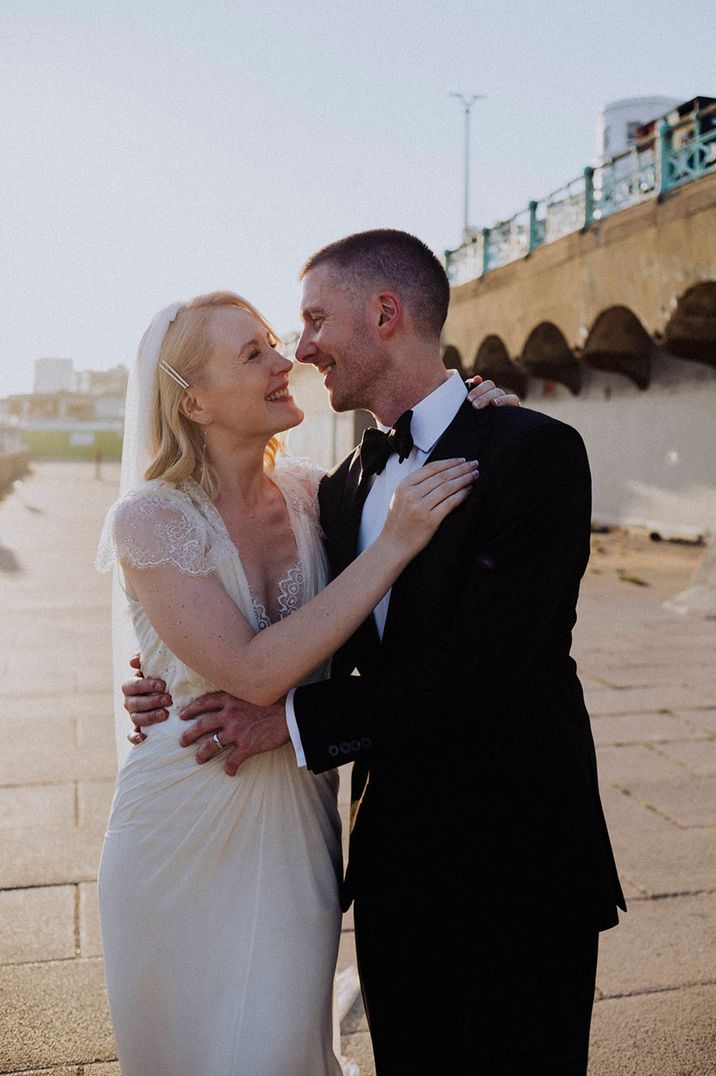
(480,864)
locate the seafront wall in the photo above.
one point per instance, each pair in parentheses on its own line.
(652,453)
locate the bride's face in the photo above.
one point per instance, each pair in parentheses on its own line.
(244,387)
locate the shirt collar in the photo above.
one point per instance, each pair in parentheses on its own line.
(434,413)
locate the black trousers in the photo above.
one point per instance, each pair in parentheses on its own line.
(497,1002)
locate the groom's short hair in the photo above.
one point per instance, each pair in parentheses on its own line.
(394,260)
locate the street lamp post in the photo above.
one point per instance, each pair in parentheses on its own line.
(467,103)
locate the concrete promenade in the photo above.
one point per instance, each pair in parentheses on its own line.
(650,678)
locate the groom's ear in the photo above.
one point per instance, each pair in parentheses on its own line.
(389,313)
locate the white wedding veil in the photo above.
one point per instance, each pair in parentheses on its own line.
(136,456)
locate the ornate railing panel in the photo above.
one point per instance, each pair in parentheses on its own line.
(564,210)
(624,181)
(692,159)
(675,155)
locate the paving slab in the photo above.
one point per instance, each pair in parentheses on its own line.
(358,1047)
(45,807)
(33,704)
(672,1033)
(638,700)
(667,863)
(696,757)
(689,800)
(33,857)
(37,924)
(701,719)
(655,854)
(56,752)
(90,936)
(659,944)
(63,1070)
(622,765)
(94,799)
(630,729)
(630,674)
(53,1012)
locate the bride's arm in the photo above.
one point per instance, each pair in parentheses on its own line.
(198,621)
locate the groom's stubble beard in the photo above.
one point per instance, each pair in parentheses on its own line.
(359,378)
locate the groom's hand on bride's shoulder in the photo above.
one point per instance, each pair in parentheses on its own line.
(221,721)
(146,701)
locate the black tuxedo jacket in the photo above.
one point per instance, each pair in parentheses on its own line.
(475,780)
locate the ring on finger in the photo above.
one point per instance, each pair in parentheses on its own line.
(217,741)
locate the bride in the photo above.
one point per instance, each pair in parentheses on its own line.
(219,896)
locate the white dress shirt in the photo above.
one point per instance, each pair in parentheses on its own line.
(431,417)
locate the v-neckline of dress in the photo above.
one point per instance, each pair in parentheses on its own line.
(290,584)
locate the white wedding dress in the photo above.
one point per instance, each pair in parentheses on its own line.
(218,895)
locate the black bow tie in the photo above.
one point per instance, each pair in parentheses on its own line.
(376,446)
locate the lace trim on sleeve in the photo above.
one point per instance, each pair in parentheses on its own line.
(157,525)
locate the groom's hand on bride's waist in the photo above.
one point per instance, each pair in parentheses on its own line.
(221,721)
(146,701)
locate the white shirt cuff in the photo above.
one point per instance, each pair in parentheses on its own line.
(293,729)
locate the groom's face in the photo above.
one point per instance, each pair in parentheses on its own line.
(338,338)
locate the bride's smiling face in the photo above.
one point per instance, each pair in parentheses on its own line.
(244,386)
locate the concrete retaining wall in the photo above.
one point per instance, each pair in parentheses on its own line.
(653,453)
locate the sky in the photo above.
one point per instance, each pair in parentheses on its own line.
(152,150)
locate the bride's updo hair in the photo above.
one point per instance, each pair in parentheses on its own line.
(177,442)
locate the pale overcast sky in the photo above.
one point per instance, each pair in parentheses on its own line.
(151,150)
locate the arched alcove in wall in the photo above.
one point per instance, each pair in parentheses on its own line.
(547,354)
(691,330)
(619,344)
(492,361)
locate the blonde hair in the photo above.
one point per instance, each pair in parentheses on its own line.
(177,442)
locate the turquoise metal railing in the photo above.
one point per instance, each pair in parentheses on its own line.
(674,155)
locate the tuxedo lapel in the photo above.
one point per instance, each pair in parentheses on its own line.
(467,432)
(344,533)
(467,436)
(343,540)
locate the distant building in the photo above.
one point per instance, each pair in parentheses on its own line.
(53,375)
(618,122)
(70,414)
(101,382)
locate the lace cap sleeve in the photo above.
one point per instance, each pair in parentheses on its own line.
(157,525)
(300,478)
(303,471)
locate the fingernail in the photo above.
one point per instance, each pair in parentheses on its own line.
(166,700)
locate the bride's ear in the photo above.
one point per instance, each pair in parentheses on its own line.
(191,408)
